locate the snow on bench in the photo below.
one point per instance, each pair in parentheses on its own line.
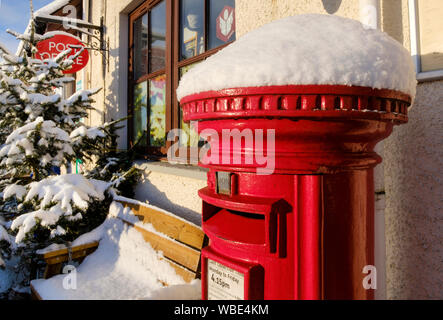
(141,252)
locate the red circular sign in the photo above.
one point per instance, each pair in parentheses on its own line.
(50,48)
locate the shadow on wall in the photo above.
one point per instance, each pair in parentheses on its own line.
(331,6)
(148,191)
(414,224)
(112,107)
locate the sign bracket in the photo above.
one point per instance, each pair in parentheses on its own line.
(77,25)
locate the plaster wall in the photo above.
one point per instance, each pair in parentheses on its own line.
(251,14)
(413,181)
(413,184)
(174,193)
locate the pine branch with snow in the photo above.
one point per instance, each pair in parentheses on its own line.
(57,202)
(114,165)
(41,132)
(34,149)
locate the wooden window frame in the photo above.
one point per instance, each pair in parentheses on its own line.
(148,151)
(172,70)
(414,25)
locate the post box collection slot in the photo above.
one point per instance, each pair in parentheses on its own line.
(242,203)
(247,214)
(237,226)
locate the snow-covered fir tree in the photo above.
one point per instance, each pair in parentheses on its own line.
(40,132)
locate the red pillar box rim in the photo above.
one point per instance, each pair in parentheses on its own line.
(298,101)
(337,126)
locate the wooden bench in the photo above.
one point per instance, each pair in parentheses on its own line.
(181,247)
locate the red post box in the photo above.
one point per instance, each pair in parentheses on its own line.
(306,231)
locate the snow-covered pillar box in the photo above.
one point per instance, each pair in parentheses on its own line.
(292,112)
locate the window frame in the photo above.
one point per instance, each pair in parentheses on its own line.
(144,8)
(414,26)
(172,72)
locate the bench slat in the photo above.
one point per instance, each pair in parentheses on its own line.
(172,227)
(187,275)
(183,255)
(62,255)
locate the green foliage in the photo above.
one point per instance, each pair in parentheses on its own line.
(39,130)
(114,165)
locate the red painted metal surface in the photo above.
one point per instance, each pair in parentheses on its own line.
(298,101)
(309,226)
(52,47)
(310,222)
(253,274)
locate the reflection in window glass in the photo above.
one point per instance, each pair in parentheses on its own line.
(192,34)
(140,113)
(140,60)
(157,114)
(157,37)
(187,134)
(221,22)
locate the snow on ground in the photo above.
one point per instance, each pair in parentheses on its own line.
(123,267)
(306,49)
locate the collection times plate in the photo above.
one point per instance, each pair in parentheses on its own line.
(224,283)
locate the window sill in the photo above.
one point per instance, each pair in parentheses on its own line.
(183,170)
(429,76)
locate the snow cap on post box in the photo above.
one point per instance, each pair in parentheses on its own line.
(308,49)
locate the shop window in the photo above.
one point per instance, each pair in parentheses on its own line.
(140,113)
(189,136)
(157,112)
(141,46)
(426,38)
(192,27)
(168,38)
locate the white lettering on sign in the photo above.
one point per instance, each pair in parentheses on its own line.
(60,47)
(60,42)
(224,283)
